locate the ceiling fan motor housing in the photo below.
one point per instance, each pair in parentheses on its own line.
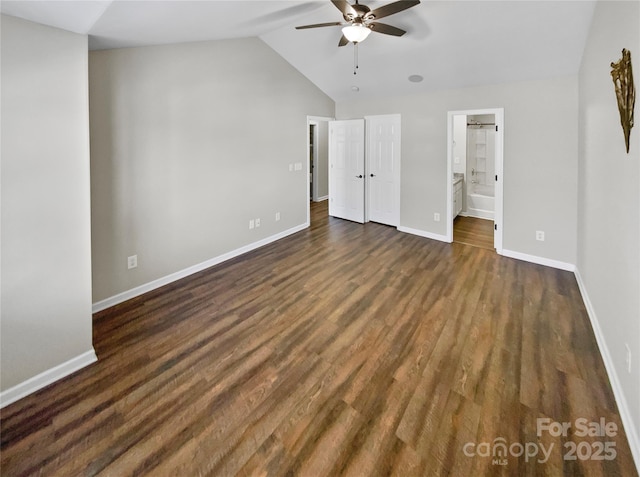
(361,17)
(363,14)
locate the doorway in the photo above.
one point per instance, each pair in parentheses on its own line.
(313,152)
(317,161)
(474,177)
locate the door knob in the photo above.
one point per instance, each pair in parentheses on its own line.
(359,177)
(373,175)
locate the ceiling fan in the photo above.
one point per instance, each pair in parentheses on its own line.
(360,20)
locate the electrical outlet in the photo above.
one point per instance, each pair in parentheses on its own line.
(436,217)
(628,357)
(257,223)
(277,216)
(132,262)
(252,224)
(540,235)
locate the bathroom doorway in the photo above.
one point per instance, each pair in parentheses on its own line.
(474,178)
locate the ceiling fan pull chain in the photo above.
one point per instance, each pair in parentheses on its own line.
(355,58)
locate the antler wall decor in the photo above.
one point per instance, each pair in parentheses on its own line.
(622,76)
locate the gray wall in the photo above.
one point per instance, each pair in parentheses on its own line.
(609,198)
(540,158)
(323,159)
(188,143)
(46,249)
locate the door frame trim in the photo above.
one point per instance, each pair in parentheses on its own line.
(499,169)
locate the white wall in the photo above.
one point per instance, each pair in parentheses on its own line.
(188,143)
(609,203)
(540,159)
(46,249)
(322,166)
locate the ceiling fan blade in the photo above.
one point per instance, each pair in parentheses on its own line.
(343,41)
(344,7)
(392,8)
(386,29)
(318,25)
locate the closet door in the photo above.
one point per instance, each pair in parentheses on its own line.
(383,169)
(346,169)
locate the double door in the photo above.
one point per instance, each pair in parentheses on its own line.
(364,169)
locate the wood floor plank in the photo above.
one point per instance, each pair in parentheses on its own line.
(459,425)
(376,438)
(344,349)
(473,231)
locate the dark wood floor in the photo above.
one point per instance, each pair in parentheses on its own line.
(344,349)
(473,231)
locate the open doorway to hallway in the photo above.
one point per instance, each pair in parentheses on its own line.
(317,162)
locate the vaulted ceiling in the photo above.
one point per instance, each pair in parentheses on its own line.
(450,43)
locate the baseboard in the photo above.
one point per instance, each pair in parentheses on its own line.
(539,260)
(50,376)
(481,214)
(623,407)
(147,287)
(422,233)
(323,198)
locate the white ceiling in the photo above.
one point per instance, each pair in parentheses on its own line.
(450,43)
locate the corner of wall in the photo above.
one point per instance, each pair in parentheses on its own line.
(46,378)
(621,400)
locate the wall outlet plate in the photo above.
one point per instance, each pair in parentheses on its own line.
(628,357)
(540,235)
(132,262)
(436,217)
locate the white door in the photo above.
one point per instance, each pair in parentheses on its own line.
(346,169)
(383,174)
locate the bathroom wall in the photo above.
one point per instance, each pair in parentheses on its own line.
(481,154)
(460,144)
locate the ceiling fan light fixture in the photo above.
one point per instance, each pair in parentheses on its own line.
(356,33)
